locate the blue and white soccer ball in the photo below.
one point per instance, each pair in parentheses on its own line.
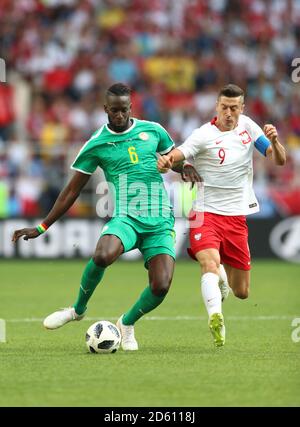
(103,337)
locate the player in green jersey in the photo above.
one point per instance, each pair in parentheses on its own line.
(125,148)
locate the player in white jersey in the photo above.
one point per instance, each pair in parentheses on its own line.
(222,151)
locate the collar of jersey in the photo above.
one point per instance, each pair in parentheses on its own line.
(214,121)
(125,131)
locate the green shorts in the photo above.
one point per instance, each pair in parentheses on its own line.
(150,244)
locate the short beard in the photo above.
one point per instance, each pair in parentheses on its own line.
(119,128)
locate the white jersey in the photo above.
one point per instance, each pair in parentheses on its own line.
(225,162)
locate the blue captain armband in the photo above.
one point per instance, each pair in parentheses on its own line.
(261,144)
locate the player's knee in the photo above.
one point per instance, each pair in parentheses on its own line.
(209,266)
(104,258)
(160,285)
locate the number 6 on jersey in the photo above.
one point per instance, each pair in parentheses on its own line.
(133,155)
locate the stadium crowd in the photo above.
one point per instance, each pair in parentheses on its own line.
(61,55)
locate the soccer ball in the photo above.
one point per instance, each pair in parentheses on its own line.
(103,337)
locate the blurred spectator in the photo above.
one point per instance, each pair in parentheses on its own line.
(123,67)
(7,114)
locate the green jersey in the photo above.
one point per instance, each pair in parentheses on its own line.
(129,162)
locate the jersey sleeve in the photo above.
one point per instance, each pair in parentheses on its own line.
(166,143)
(261,142)
(193,145)
(85,162)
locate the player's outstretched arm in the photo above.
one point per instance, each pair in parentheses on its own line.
(63,203)
(175,160)
(276,151)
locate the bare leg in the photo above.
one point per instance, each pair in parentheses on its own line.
(160,276)
(239,281)
(161,268)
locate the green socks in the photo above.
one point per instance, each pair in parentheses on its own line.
(90,278)
(147,302)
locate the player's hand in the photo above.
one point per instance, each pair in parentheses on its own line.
(28,233)
(165,163)
(271,133)
(189,174)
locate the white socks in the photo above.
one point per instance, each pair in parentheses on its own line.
(211,293)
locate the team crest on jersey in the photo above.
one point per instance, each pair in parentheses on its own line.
(198,236)
(246,138)
(144,136)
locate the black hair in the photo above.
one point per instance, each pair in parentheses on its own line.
(118,89)
(231,91)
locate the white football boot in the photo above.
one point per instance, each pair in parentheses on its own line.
(223,283)
(225,289)
(127,332)
(61,317)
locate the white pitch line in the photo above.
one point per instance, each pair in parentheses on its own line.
(171,318)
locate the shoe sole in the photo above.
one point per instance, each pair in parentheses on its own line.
(52,328)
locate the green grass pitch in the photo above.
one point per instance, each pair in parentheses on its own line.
(176,365)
